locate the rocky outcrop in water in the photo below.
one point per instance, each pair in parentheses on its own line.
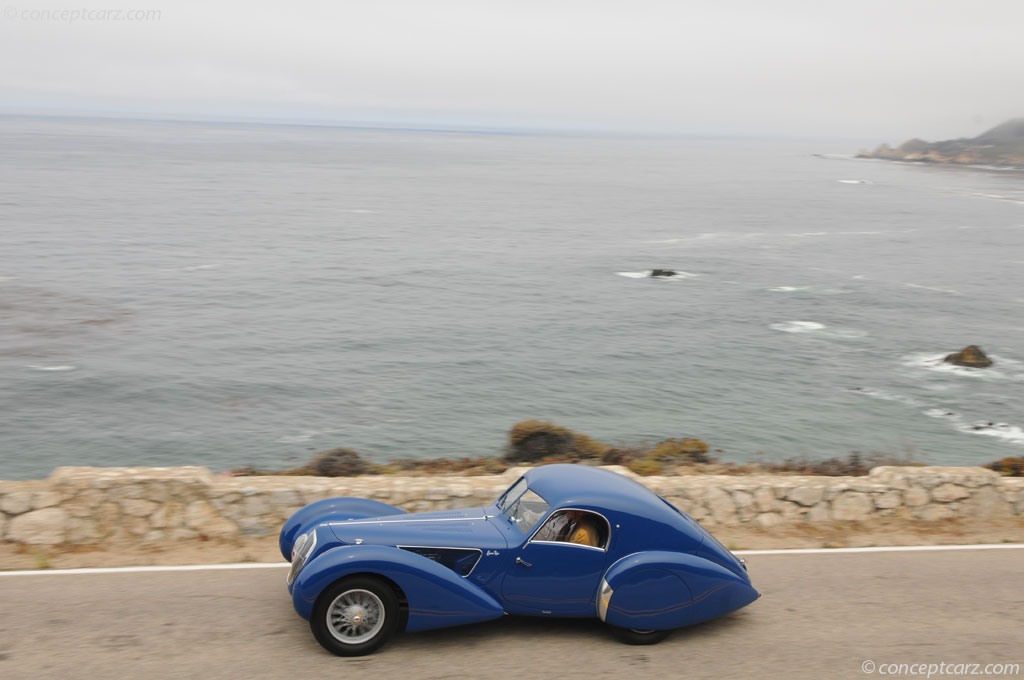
(1003,145)
(971,356)
(663,272)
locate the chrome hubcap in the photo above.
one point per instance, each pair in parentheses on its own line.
(355,616)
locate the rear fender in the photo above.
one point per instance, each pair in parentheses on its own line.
(330,510)
(660,590)
(437,596)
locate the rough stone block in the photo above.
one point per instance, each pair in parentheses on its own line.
(915,496)
(807,496)
(83,530)
(819,513)
(888,500)
(768,519)
(200,517)
(986,503)
(39,527)
(17,502)
(852,505)
(742,499)
(946,493)
(137,507)
(935,512)
(721,505)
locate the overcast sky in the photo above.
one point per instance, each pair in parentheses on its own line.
(882,70)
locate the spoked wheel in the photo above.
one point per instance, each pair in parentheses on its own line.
(355,616)
(633,636)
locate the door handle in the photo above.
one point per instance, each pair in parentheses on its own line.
(520,560)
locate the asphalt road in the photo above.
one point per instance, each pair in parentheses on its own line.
(822,616)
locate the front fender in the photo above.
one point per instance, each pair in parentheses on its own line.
(660,590)
(330,509)
(437,596)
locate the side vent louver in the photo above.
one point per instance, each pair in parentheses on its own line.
(459,560)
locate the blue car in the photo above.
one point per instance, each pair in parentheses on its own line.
(562,541)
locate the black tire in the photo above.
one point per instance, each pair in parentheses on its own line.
(639,637)
(355,616)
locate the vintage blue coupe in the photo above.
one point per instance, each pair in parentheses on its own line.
(362,570)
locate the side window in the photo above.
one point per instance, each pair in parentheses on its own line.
(575,526)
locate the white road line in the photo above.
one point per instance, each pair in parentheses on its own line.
(880,549)
(741,553)
(130,570)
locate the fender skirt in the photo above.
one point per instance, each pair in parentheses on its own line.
(437,596)
(330,510)
(662,590)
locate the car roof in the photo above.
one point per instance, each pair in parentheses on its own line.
(564,485)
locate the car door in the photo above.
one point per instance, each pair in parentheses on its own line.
(556,577)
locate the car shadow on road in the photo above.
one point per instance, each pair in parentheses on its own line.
(530,629)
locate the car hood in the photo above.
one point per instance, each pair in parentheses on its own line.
(465,528)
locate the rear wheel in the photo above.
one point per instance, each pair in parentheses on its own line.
(355,616)
(632,636)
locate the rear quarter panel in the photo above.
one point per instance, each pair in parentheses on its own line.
(661,590)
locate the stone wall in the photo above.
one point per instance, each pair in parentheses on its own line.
(92,505)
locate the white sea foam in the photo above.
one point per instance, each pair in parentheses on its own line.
(937,290)
(7,278)
(58,368)
(787,289)
(934,362)
(305,436)
(647,274)
(941,413)
(848,333)
(854,181)
(294,439)
(361,211)
(875,393)
(798,326)
(1013,434)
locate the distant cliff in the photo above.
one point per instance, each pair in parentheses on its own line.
(1003,145)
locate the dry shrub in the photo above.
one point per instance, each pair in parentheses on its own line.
(1008,467)
(530,441)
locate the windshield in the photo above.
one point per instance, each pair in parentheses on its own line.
(526,511)
(511,495)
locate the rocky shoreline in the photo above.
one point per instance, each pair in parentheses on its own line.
(1002,146)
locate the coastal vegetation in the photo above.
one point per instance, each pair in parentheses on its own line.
(539,442)
(1008,467)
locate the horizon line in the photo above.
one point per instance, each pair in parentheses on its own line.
(406,126)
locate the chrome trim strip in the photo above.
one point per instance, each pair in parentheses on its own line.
(571,545)
(540,525)
(449,547)
(350,522)
(602,600)
(296,566)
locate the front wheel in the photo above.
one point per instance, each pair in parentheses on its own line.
(355,616)
(633,636)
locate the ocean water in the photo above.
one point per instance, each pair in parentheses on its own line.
(222,295)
